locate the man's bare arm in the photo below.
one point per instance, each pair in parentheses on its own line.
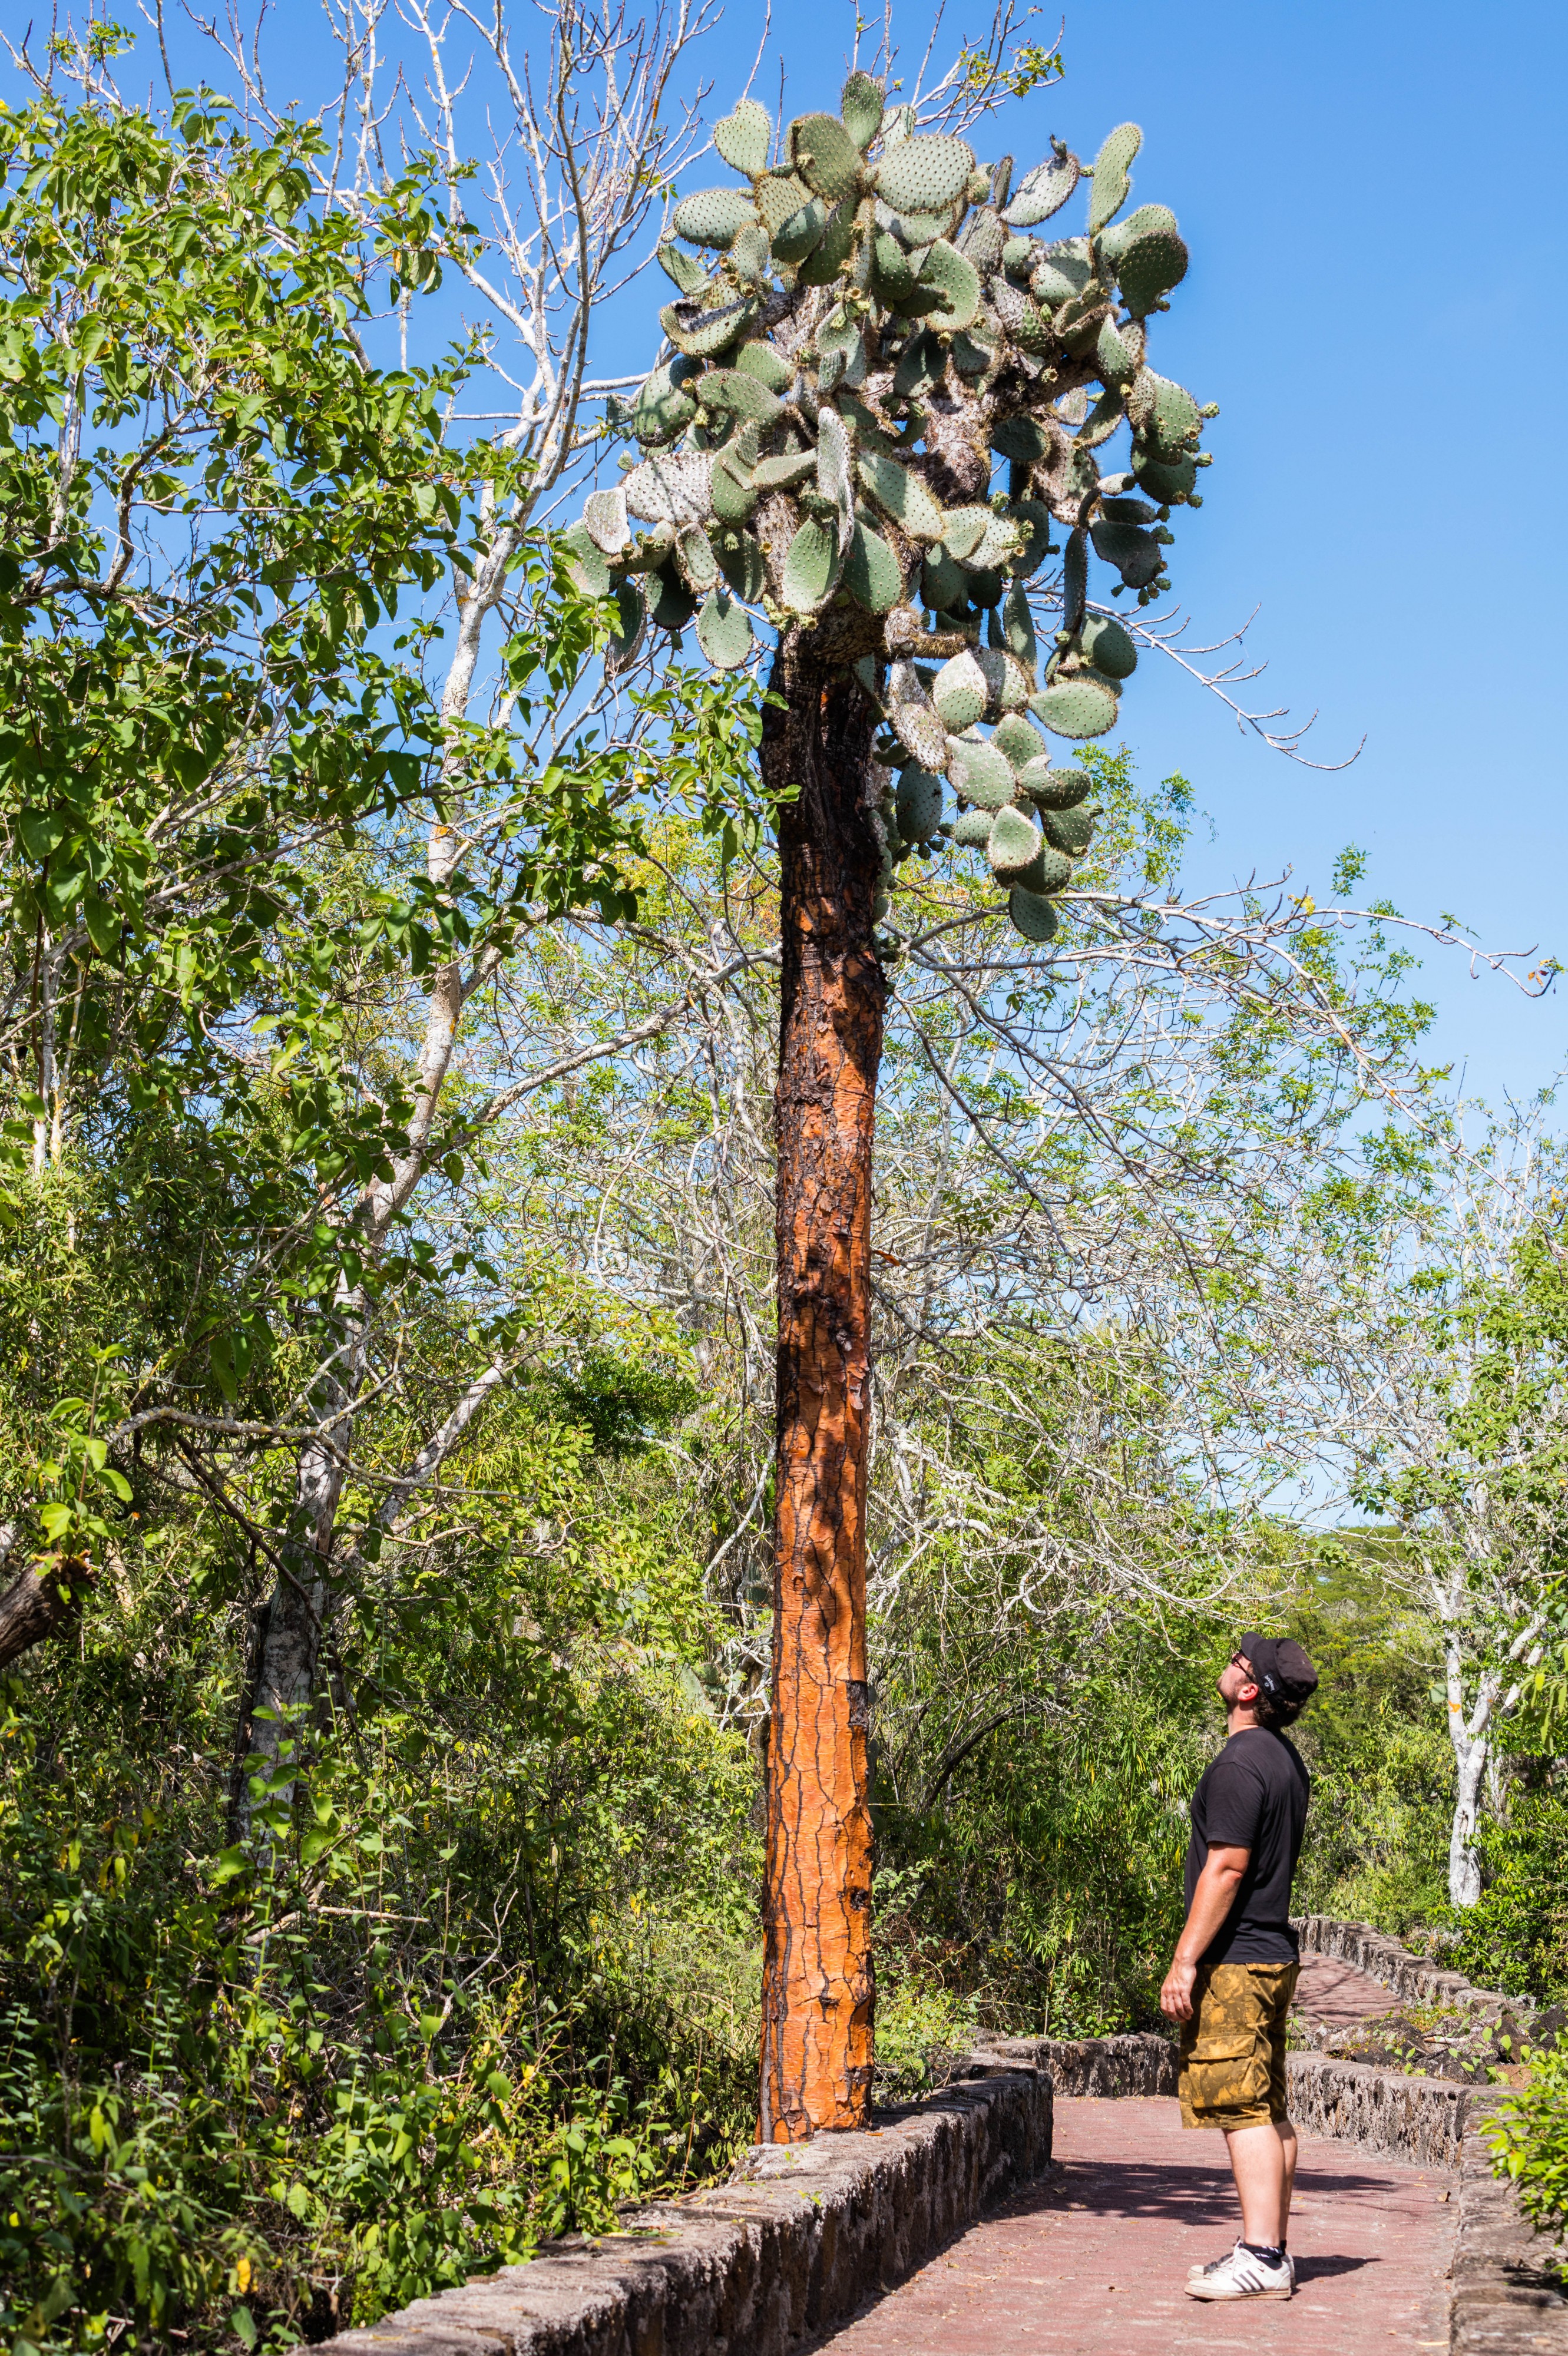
(1211,1901)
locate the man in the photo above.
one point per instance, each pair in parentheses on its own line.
(1235,1967)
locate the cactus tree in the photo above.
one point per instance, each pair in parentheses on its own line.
(865,330)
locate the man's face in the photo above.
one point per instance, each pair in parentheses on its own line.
(1237,1682)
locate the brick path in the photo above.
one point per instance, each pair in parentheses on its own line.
(1093,2257)
(1338,1993)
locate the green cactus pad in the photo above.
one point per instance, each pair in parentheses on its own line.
(1136,555)
(1017,626)
(1062,272)
(673,603)
(604,518)
(963,529)
(744,136)
(1075,580)
(740,561)
(1023,438)
(914,724)
(949,275)
(971,829)
(739,393)
(587,566)
(664,406)
(779,197)
(669,488)
(1036,519)
(1055,789)
(925,174)
(1015,845)
(984,241)
(1009,683)
(1108,192)
(995,547)
(735,495)
(859,103)
(1149,268)
(801,233)
(712,216)
(1032,915)
(870,571)
(702,333)
(921,363)
(1176,417)
(723,631)
(626,636)
(1071,831)
(920,805)
(1018,741)
(782,473)
(1163,481)
(826,261)
(1018,257)
(892,270)
(684,268)
(918,230)
(1042,192)
(1108,646)
(979,772)
(699,567)
(1124,510)
(1116,360)
(1076,708)
(811,567)
(944,583)
(902,496)
(960,693)
(760,360)
(825,156)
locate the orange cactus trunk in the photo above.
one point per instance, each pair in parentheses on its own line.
(817,1991)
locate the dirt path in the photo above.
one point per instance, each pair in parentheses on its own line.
(1094,2257)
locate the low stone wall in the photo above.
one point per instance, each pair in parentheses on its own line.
(1096,2066)
(1416,2119)
(1505,2300)
(1410,1976)
(789,2247)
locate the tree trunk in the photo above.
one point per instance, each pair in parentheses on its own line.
(816,2055)
(38,1604)
(1471,1748)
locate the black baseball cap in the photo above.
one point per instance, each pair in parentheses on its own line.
(1282,1670)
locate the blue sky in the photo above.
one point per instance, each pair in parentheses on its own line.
(1375,300)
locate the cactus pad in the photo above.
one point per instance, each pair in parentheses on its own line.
(744,136)
(1015,845)
(587,565)
(1108,192)
(971,829)
(1076,708)
(779,197)
(979,772)
(859,103)
(1018,741)
(801,232)
(604,520)
(684,268)
(1032,915)
(870,571)
(1042,192)
(1109,646)
(670,490)
(920,805)
(825,156)
(723,631)
(712,216)
(1071,831)
(903,496)
(925,174)
(953,277)
(701,332)
(812,567)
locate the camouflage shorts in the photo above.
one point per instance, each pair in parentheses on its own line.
(1234,2048)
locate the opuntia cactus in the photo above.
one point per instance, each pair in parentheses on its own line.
(866,329)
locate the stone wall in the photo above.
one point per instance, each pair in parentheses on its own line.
(1416,2119)
(1409,1977)
(1506,2301)
(789,2247)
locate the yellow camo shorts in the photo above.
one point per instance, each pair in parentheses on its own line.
(1234,2048)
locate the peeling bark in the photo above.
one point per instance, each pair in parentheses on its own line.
(816,2052)
(39,1604)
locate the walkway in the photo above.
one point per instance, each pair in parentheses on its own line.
(1094,2256)
(1338,1993)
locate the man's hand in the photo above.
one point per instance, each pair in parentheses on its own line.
(1176,1996)
(1211,1901)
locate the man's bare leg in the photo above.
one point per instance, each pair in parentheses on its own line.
(1263,2161)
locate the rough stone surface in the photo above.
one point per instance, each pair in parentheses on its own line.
(789,2248)
(1383,1959)
(1097,2065)
(1506,2300)
(1421,2120)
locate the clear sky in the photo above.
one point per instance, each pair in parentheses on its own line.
(1371,197)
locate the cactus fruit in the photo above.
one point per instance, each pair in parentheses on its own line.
(920,805)
(825,156)
(979,772)
(1032,915)
(953,278)
(811,567)
(743,137)
(1108,192)
(1071,831)
(1015,845)
(1043,191)
(903,496)
(859,103)
(1076,708)
(971,829)
(870,571)
(925,173)
(712,216)
(723,631)
(1108,647)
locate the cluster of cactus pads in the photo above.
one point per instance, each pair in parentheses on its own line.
(874,325)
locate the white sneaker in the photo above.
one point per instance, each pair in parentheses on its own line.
(1242,2275)
(1215,2263)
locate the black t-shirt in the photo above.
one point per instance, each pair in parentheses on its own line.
(1253,1796)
